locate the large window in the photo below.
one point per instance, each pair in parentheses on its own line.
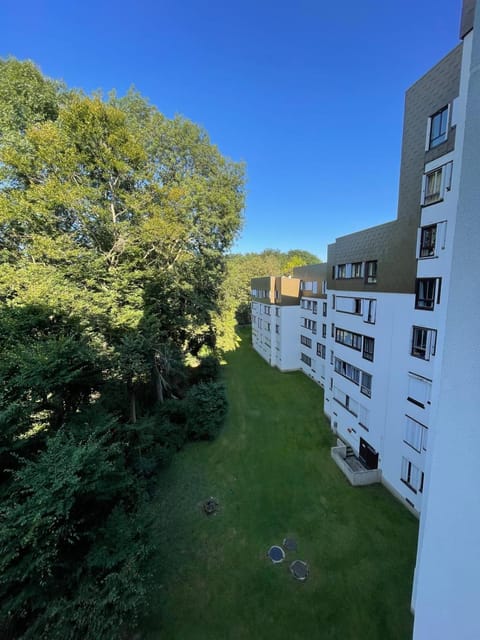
(427,241)
(356,269)
(368,348)
(309,324)
(415,434)
(438,127)
(371,272)
(306,359)
(436,183)
(347,370)
(423,342)
(433,186)
(425,294)
(342,271)
(366,386)
(349,339)
(419,390)
(412,476)
(307,342)
(346,401)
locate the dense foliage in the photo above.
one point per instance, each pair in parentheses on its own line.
(235,291)
(114,225)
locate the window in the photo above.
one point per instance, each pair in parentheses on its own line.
(307,342)
(346,401)
(363,416)
(324,330)
(427,241)
(368,348)
(435,183)
(309,324)
(277,329)
(423,342)
(425,293)
(341,271)
(371,272)
(333,330)
(433,187)
(411,476)
(366,386)
(349,339)
(356,270)
(419,389)
(415,434)
(314,307)
(349,305)
(369,311)
(438,127)
(306,359)
(324,309)
(321,350)
(347,370)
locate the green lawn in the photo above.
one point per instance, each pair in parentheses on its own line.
(271,471)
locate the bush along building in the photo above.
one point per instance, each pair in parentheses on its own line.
(382,326)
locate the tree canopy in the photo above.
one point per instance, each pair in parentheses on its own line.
(241,268)
(115,222)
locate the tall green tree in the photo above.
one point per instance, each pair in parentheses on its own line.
(241,268)
(114,225)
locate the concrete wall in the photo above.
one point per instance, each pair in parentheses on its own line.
(448,561)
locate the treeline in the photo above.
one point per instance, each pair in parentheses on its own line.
(114,226)
(235,291)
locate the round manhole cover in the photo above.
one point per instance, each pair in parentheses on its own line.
(276,554)
(299,570)
(210,506)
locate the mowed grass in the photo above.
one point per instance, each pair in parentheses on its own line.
(271,471)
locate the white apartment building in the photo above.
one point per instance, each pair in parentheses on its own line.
(393,340)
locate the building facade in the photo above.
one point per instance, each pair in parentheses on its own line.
(385,333)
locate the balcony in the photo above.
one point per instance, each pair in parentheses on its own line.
(357,474)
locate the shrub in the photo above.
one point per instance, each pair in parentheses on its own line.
(206,410)
(207,370)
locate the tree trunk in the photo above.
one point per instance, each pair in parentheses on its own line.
(158,383)
(133,403)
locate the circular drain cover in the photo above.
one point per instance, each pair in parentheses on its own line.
(276,554)
(210,506)
(299,569)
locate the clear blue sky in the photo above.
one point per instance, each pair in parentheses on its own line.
(308,93)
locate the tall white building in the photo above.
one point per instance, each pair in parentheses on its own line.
(397,338)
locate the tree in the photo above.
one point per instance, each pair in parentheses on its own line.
(241,268)
(112,213)
(114,225)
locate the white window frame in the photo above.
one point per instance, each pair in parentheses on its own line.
(416,434)
(444,184)
(424,342)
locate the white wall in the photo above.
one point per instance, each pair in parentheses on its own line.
(448,563)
